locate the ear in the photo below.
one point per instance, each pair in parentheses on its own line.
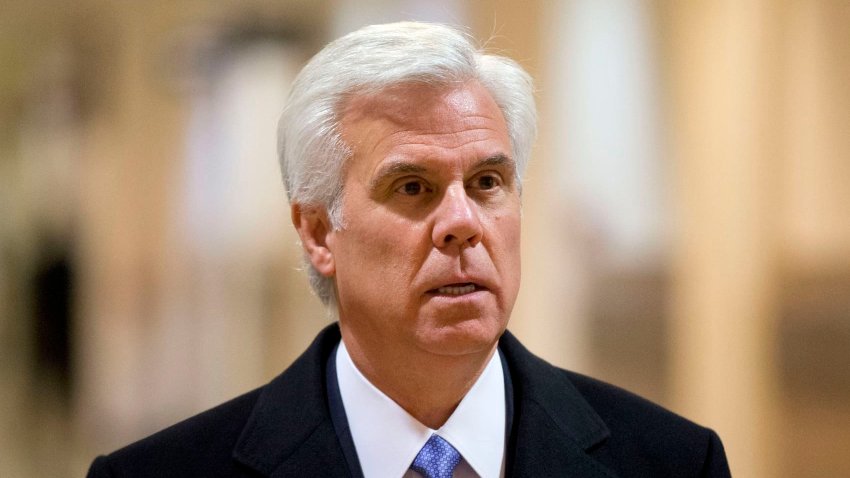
(314,227)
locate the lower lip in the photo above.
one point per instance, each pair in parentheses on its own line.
(477,293)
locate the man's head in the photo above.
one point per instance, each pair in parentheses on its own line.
(314,155)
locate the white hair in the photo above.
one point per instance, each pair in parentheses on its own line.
(311,151)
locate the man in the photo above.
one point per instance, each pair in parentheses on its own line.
(402,148)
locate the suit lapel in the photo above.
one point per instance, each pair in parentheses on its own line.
(554,427)
(290,432)
(319,455)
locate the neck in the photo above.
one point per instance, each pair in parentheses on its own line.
(427,386)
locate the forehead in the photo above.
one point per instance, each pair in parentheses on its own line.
(425,120)
(409,102)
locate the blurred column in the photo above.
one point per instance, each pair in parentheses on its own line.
(133,134)
(816,143)
(242,252)
(815,244)
(723,322)
(189,293)
(600,158)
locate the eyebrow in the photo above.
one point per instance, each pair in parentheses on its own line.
(496,160)
(400,168)
(396,168)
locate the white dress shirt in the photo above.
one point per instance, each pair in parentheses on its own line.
(387,438)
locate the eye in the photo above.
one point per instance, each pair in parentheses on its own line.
(486,181)
(413,187)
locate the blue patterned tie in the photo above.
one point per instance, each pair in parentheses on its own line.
(437,459)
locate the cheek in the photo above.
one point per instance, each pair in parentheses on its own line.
(508,229)
(512,227)
(516,259)
(385,246)
(507,226)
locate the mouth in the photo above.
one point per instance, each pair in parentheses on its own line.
(457,289)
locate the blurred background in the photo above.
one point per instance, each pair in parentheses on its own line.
(686,220)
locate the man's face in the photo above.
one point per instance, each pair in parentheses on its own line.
(429,255)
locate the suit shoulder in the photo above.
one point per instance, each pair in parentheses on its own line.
(647,432)
(614,403)
(197,446)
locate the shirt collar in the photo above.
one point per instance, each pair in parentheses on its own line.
(387,438)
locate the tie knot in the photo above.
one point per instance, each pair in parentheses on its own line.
(437,459)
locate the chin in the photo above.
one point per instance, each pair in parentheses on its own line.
(470,336)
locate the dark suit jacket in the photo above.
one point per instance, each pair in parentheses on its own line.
(564,425)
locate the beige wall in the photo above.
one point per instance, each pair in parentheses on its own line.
(740,324)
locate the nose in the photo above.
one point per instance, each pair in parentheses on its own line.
(457,221)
